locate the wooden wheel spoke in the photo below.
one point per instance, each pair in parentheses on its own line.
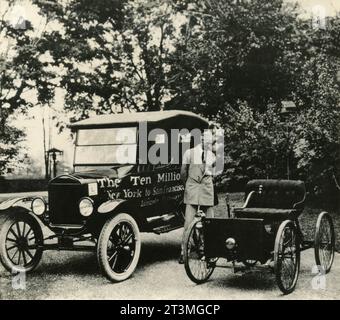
(127,239)
(13,233)
(113,255)
(15,253)
(12,247)
(18,229)
(21,234)
(11,240)
(112,240)
(19,257)
(24,229)
(29,253)
(24,257)
(28,232)
(121,231)
(31,238)
(121,247)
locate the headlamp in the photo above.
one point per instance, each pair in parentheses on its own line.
(86,206)
(230,243)
(38,206)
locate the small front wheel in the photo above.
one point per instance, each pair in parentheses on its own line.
(119,247)
(324,242)
(197,266)
(287,257)
(21,243)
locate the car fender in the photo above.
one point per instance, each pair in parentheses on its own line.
(111,205)
(22,203)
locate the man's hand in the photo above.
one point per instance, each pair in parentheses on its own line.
(184,172)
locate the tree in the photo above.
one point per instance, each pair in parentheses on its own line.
(21,71)
(238,61)
(233,61)
(318,146)
(115,54)
(233,53)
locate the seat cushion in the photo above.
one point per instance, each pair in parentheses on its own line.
(279,194)
(265,213)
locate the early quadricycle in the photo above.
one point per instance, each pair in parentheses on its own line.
(264,233)
(126,180)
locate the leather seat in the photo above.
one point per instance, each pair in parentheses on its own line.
(273,200)
(266,213)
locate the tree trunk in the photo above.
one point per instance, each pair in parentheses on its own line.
(45,148)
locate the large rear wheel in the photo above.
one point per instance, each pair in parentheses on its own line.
(119,247)
(21,243)
(287,257)
(324,242)
(198,267)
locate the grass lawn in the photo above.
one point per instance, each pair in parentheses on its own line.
(307,219)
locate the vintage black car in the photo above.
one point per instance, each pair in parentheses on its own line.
(264,234)
(115,193)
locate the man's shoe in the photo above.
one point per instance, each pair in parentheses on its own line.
(181,260)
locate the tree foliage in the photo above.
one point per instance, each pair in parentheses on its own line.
(22,74)
(233,61)
(115,53)
(240,61)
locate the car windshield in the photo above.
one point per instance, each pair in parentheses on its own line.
(106,146)
(116,171)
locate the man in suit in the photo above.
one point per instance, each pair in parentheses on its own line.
(197,174)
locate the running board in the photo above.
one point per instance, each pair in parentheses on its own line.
(57,247)
(66,226)
(164,217)
(165,229)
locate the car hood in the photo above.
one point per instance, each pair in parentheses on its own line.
(93,175)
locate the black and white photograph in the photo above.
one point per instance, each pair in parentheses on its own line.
(170,150)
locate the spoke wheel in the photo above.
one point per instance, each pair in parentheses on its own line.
(197,266)
(21,243)
(324,242)
(287,257)
(119,247)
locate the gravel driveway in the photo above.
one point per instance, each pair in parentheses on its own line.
(68,275)
(74,275)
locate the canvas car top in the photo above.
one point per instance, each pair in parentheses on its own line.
(135,118)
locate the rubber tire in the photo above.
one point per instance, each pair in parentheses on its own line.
(102,247)
(186,260)
(276,263)
(317,239)
(6,223)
